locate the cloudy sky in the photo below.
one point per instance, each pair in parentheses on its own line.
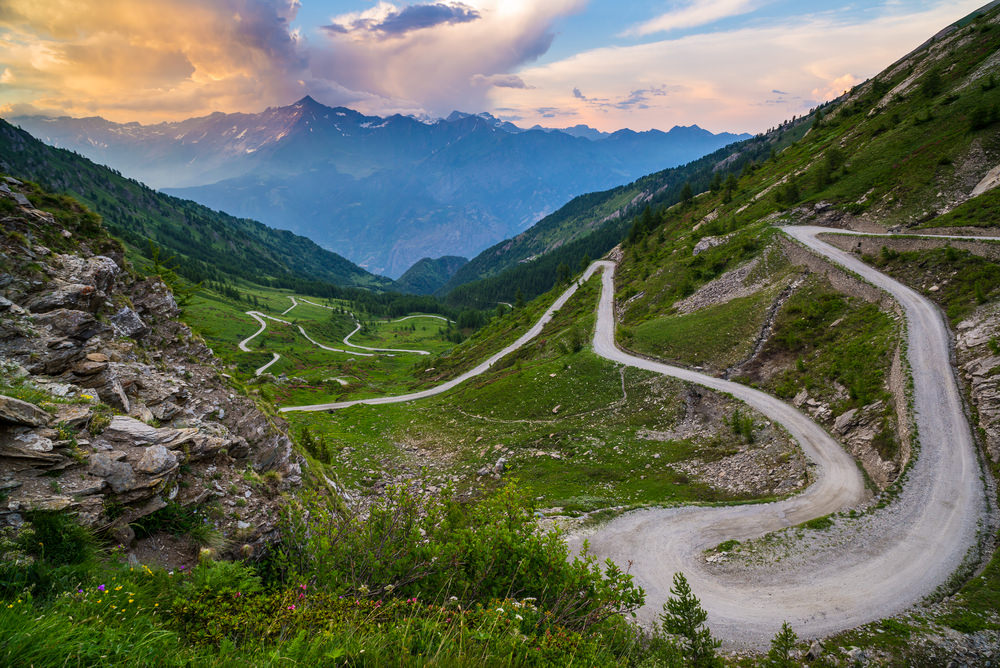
(738,65)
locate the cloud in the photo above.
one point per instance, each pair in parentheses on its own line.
(88,56)
(636,98)
(389,21)
(446,65)
(746,79)
(695,13)
(168,59)
(836,87)
(500,81)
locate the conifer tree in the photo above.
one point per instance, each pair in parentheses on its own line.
(782,645)
(684,617)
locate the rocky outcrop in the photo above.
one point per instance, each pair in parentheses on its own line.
(109,406)
(977,347)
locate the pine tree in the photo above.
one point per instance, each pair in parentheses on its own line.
(782,645)
(687,193)
(684,617)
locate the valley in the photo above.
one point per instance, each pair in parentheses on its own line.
(740,411)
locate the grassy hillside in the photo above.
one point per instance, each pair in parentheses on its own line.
(208,244)
(427,275)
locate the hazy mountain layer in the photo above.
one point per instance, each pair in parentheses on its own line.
(384,192)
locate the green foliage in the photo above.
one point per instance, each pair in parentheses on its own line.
(165,269)
(196,522)
(964,280)
(47,553)
(818,523)
(436,548)
(684,618)
(782,646)
(981,211)
(742,425)
(983,116)
(833,338)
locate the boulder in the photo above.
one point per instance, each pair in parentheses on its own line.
(119,475)
(157,460)
(129,430)
(844,421)
(75,296)
(29,440)
(128,323)
(88,367)
(22,412)
(74,324)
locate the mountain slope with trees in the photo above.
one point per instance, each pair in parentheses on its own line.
(208,245)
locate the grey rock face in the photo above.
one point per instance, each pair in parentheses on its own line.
(119,475)
(75,296)
(73,324)
(128,323)
(156,460)
(21,412)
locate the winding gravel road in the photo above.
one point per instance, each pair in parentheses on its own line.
(921,540)
(897,556)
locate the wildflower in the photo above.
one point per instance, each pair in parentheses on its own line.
(118,588)
(291,607)
(100,587)
(79,591)
(500,610)
(518,617)
(130,600)
(99,600)
(156,605)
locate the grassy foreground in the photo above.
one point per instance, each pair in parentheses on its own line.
(414,582)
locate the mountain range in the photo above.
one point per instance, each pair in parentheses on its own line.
(383,192)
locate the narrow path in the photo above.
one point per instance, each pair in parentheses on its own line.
(358,328)
(899,554)
(294,304)
(268,365)
(381,350)
(423,315)
(260,318)
(472,373)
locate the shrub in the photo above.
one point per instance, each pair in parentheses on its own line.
(436,548)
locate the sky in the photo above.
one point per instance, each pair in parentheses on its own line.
(726,65)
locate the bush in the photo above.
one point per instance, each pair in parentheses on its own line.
(47,553)
(437,548)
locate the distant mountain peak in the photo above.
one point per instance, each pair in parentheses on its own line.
(308,101)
